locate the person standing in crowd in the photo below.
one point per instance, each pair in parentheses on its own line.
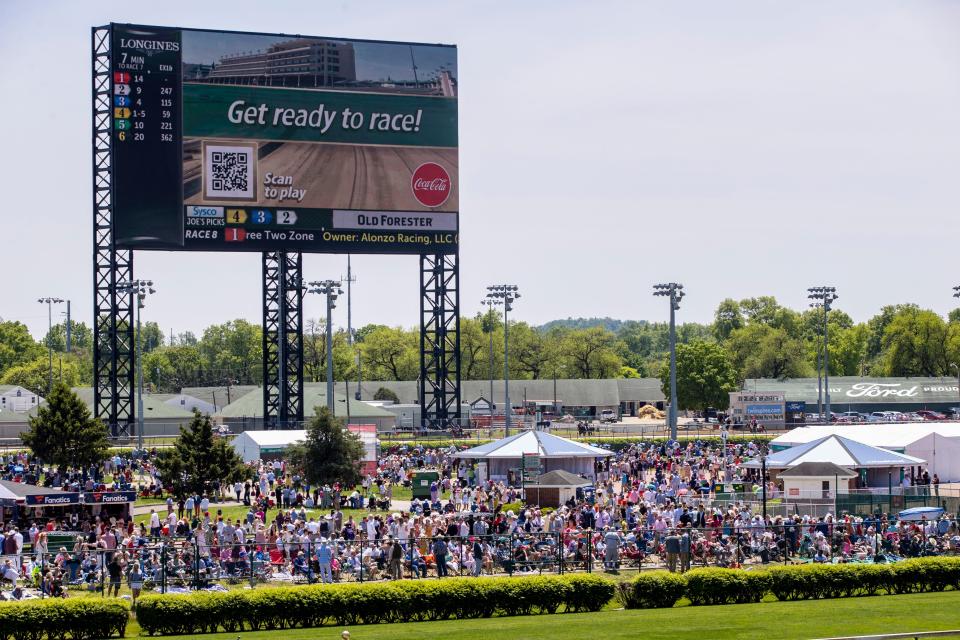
(115,571)
(671,545)
(135,581)
(684,552)
(324,561)
(396,559)
(440,556)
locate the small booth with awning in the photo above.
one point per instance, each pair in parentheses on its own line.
(504,458)
(554,489)
(19,501)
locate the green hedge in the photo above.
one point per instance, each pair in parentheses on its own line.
(57,619)
(652,590)
(350,604)
(790,582)
(726,586)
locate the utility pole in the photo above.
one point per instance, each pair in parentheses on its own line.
(349,280)
(331,289)
(50,302)
(673,291)
(69,329)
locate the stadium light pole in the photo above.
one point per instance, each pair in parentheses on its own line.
(826,296)
(507,295)
(491,303)
(331,289)
(673,291)
(817,305)
(140,289)
(50,302)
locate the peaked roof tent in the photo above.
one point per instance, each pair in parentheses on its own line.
(839,450)
(544,444)
(817,470)
(561,478)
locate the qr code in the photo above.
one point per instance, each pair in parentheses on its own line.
(230,171)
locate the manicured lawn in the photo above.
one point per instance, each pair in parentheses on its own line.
(769,620)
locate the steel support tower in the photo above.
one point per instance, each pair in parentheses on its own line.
(439,384)
(113,385)
(282,339)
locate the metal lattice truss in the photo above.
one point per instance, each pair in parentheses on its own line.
(112,311)
(282,339)
(440,341)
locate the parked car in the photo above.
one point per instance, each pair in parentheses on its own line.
(926,414)
(849,416)
(608,415)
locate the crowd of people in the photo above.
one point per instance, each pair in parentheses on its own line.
(653,504)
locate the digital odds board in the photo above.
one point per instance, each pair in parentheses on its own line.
(229,141)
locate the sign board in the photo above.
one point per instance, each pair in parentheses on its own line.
(230,141)
(531,466)
(109,497)
(766,408)
(53,499)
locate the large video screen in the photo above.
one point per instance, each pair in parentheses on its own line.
(227,141)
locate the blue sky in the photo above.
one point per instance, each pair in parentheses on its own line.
(743,148)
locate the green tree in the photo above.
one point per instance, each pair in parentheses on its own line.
(705,376)
(531,352)
(915,343)
(474,349)
(391,354)
(726,319)
(81,337)
(386,395)
(17,346)
(591,353)
(197,461)
(232,350)
(64,433)
(878,325)
(35,375)
(151,336)
(329,452)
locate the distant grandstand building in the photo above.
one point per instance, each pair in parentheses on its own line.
(292,63)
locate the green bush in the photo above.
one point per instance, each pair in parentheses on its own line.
(652,590)
(56,619)
(372,603)
(726,586)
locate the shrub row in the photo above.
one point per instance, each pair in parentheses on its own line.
(350,604)
(792,582)
(57,619)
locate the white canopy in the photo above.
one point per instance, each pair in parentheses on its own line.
(887,435)
(543,444)
(840,451)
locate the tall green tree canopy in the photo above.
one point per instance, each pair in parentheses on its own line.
(64,433)
(705,376)
(329,453)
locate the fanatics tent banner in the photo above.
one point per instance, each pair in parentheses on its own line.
(228,141)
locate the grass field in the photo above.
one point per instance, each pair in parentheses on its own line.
(768,620)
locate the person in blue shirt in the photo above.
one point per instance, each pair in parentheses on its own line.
(324,560)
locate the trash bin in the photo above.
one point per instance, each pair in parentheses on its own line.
(420,486)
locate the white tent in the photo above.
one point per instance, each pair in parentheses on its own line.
(874,463)
(941,453)
(555,453)
(254,445)
(914,439)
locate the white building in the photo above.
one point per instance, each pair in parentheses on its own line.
(17,399)
(268,445)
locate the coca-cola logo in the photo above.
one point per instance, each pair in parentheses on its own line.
(431,184)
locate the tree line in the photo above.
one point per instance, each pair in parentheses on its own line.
(750,338)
